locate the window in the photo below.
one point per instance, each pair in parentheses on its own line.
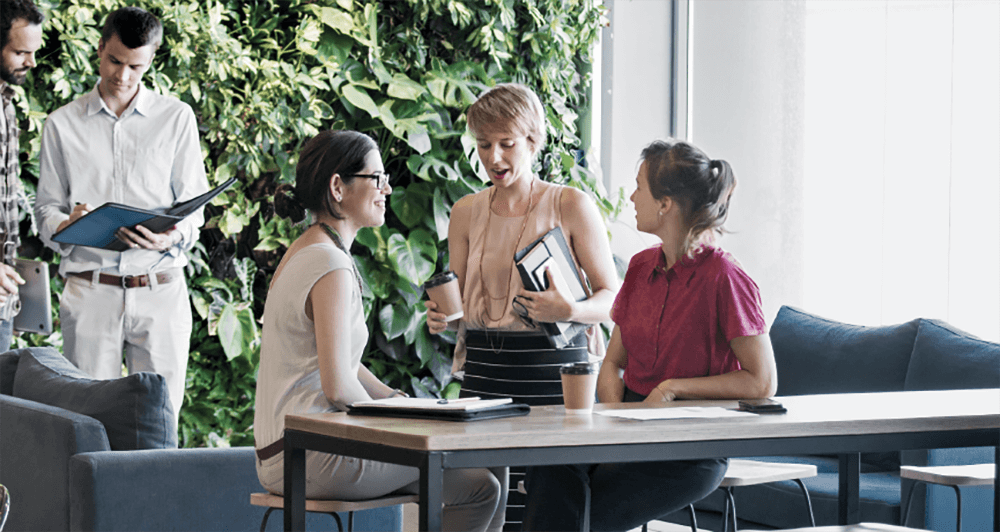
(865,135)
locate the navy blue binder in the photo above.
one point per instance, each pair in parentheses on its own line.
(98,227)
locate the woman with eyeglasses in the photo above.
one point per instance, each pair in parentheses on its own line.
(688,325)
(501,350)
(315,334)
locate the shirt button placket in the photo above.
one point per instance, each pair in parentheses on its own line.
(118,183)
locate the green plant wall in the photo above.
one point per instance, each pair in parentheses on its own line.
(263,76)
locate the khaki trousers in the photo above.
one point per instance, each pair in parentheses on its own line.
(150,326)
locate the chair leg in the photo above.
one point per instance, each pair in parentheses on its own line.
(958,499)
(906,507)
(809,504)
(350,521)
(694,520)
(725,517)
(340,524)
(645,528)
(732,502)
(263,524)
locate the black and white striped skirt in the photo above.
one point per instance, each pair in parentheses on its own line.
(522,366)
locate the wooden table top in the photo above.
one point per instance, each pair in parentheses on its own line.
(549,426)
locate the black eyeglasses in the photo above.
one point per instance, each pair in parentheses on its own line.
(381,178)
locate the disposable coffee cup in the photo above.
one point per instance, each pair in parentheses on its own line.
(443,290)
(579,384)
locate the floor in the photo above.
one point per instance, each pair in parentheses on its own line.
(410,522)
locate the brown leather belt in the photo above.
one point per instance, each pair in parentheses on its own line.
(271,450)
(129,281)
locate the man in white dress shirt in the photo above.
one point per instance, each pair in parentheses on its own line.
(123,143)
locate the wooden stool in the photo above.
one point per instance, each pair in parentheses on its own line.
(954,476)
(752,472)
(275,502)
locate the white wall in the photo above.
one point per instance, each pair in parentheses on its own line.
(641,103)
(724,104)
(750,114)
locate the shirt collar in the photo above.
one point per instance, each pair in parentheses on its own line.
(683,269)
(140,103)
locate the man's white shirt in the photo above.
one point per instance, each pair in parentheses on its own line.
(149,158)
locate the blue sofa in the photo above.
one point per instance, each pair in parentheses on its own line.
(80,454)
(819,356)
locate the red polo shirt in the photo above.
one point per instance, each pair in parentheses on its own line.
(678,323)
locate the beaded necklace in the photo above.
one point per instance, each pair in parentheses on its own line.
(482,280)
(340,244)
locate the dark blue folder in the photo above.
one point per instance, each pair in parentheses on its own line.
(98,227)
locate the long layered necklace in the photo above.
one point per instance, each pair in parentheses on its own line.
(510,274)
(340,244)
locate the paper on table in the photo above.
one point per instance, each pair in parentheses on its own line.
(416,403)
(677,412)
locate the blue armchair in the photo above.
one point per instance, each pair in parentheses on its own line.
(64,472)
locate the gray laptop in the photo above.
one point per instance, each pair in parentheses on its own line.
(36,298)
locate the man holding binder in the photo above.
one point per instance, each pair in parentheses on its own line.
(126,144)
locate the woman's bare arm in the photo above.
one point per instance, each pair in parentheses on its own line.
(757,378)
(610,385)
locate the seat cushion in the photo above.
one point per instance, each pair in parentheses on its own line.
(947,358)
(135,410)
(815,355)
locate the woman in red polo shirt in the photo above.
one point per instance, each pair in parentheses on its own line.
(688,325)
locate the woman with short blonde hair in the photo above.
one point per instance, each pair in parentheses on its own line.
(502,350)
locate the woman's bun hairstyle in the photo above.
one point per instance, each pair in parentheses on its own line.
(701,186)
(286,205)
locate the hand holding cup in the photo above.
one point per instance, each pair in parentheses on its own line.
(445,301)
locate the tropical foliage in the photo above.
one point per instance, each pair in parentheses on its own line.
(264,76)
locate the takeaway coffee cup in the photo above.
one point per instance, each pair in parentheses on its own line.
(443,290)
(579,384)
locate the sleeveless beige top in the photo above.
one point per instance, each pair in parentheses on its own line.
(493,241)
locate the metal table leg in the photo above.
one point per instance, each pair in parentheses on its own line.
(849,494)
(295,489)
(431,486)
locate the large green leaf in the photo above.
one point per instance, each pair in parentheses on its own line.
(442,214)
(336,19)
(236,330)
(360,99)
(415,256)
(405,88)
(412,204)
(395,320)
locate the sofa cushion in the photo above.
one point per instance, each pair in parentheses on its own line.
(947,358)
(815,355)
(8,367)
(135,410)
